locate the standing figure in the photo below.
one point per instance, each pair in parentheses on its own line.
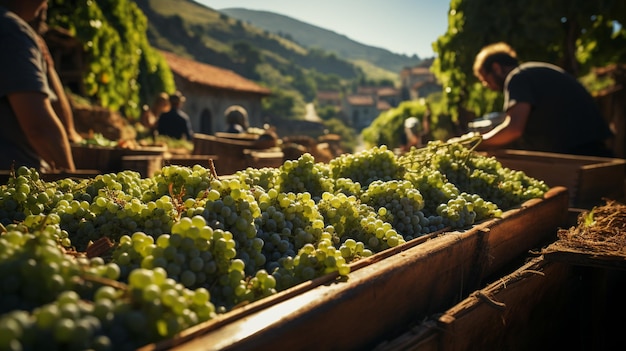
(150,115)
(32,133)
(175,123)
(413,131)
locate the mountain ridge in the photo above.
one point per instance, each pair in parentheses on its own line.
(315,37)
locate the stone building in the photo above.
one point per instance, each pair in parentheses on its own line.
(210,90)
(418,82)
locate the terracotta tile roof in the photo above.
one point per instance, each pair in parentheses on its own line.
(421,71)
(211,76)
(366,90)
(387,91)
(424,83)
(383,105)
(361,100)
(328,95)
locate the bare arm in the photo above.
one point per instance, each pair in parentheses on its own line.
(43,128)
(510,129)
(62,106)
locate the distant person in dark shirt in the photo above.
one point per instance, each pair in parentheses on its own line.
(236,119)
(150,114)
(175,123)
(546,108)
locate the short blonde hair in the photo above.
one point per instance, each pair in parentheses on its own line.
(498,52)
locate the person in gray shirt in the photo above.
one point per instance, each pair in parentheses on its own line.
(32,134)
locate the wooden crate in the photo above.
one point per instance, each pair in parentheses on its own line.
(262,159)
(77,174)
(543,305)
(237,136)
(532,225)
(102,158)
(520,310)
(524,310)
(189,160)
(108,159)
(229,151)
(54,176)
(587,178)
(145,165)
(233,154)
(383,293)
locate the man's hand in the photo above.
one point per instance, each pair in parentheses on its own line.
(464,137)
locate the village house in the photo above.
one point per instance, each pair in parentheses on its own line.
(360,110)
(329,98)
(210,90)
(389,95)
(418,82)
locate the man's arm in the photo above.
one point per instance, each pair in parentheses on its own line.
(511,129)
(62,106)
(42,127)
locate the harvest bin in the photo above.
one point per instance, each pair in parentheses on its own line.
(5,175)
(385,292)
(109,159)
(543,305)
(524,310)
(587,178)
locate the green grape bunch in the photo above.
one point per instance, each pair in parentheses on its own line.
(377,163)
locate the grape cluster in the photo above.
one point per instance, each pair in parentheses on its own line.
(230,205)
(178,182)
(151,307)
(352,219)
(464,186)
(301,175)
(288,221)
(398,202)
(311,261)
(377,163)
(263,178)
(446,205)
(25,193)
(68,323)
(182,246)
(194,254)
(474,173)
(34,269)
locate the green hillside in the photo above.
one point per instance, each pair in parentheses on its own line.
(315,37)
(292,71)
(191,29)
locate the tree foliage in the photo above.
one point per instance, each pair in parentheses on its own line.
(122,70)
(388,127)
(284,104)
(348,135)
(573,34)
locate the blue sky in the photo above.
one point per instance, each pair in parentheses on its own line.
(400,26)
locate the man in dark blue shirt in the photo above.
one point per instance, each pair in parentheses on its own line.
(175,123)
